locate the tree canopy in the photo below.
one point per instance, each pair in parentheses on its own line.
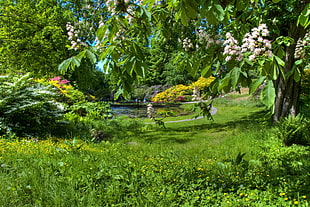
(222,38)
(33,36)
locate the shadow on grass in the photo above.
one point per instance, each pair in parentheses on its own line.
(183,133)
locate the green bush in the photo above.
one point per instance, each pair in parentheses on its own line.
(28,108)
(92,121)
(294,130)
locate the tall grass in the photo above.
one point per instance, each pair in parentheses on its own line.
(233,161)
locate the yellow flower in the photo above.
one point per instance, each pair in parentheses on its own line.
(282,194)
(296,202)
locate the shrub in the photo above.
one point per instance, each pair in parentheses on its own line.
(278,158)
(294,130)
(181,93)
(174,94)
(67,93)
(27,107)
(146,92)
(92,110)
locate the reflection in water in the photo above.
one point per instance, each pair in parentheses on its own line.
(139,112)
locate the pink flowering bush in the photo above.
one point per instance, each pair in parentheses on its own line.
(68,94)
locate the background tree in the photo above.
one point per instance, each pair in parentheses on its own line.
(33,36)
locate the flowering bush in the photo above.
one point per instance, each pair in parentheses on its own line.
(173,94)
(202,83)
(68,93)
(181,93)
(28,108)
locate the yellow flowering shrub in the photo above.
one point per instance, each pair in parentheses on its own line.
(202,82)
(182,92)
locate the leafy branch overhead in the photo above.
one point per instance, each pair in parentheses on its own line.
(226,39)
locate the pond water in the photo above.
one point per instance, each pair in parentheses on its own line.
(132,111)
(138,111)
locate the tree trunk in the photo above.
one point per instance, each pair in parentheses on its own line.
(287,89)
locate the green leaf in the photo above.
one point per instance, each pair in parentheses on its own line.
(91,56)
(297,74)
(235,73)
(218,12)
(303,18)
(206,72)
(184,18)
(279,61)
(276,1)
(63,67)
(225,83)
(268,94)
(87,53)
(298,62)
(71,63)
(254,86)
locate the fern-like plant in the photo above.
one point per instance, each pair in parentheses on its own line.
(28,108)
(294,130)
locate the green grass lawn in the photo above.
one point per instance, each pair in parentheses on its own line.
(194,163)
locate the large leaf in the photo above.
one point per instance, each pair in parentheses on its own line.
(235,73)
(303,18)
(225,83)
(71,63)
(90,55)
(268,94)
(254,86)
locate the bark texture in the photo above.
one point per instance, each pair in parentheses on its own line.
(287,89)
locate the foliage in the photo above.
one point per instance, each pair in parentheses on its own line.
(92,121)
(278,158)
(90,110)
(181,92)
(28,108)
(69,93)
(174,94)
(84,174)
(33,36)
(232,162)
(202,109)
(200,32)
(147,92)
(294,130)
(305,88)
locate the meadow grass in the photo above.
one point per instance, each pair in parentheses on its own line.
(231,161)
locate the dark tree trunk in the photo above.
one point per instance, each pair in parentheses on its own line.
(287,89)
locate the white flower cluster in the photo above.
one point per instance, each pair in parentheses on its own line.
(231,48)
(187,44)
(73,36)
(302,44)
(254,44)
(208,39)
